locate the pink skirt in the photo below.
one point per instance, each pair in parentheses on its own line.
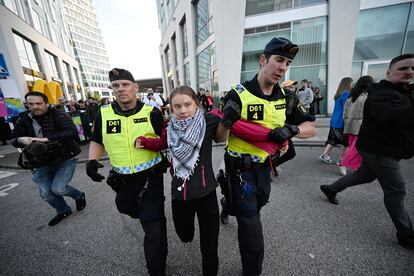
(351,159)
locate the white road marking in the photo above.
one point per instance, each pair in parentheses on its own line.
(4,174)
(7,187)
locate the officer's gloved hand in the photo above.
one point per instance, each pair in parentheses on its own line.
(92,167)
(281,134)
(231,113)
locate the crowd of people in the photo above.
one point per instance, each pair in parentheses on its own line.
(134,134)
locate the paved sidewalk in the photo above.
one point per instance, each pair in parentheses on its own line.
(322,124)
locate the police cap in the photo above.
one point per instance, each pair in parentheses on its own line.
(120,74)
(281,46)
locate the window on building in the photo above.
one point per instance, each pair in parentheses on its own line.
(252,49)
(177,72)
(409,41)
(54,36)
(36,22)
(259,6)
(384,39)
(39,3)
(66,68)
(162,16)
(53,11)
(75,72)
(183,28)
(53,66)
(311,61)
(311,37)
(168,58)
(205,65)
(27,53)
(203,24)
(263,6)
(11,5)
(170,8)
(187,78)
(302,3)
(174,48)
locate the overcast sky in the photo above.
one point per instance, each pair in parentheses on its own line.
(131,34)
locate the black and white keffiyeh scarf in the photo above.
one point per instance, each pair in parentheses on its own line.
(184,139)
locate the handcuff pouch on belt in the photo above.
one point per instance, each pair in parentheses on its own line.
(115,180)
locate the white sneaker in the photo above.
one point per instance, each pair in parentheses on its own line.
(2,156)
(342,170)
(325,158)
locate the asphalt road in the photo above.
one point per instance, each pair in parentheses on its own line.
(304,234)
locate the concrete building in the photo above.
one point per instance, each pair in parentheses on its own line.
(34,41)
(214,44)
(89,47)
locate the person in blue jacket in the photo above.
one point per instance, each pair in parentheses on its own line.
(336,127)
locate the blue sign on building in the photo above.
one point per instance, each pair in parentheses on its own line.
(3,67)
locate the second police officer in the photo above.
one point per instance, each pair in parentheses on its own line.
(135,176)
(262,101)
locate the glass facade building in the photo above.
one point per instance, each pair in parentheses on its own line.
(264,6)
(40,48)
(88,45)
(220,45)
(376,44)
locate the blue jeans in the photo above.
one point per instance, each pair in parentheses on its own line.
(53,184)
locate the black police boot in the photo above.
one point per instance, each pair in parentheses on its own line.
(59,217)
(81,202)
(406,241)
(329,194)
(224,215)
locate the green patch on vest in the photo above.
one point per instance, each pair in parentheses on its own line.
(113,126)
(255,111)
(140,120)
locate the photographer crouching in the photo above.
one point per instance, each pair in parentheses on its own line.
(49,138)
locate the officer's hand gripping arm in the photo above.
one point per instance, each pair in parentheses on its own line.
(281,134)
(231,113)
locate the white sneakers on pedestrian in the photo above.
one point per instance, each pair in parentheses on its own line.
(325,158)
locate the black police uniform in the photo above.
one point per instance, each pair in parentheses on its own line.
(138,201)
(247,208)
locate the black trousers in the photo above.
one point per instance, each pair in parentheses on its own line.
(250,192)
(387,171)
(209,225)
(150,211)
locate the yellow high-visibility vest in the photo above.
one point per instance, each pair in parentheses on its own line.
(270,114)
(118,136)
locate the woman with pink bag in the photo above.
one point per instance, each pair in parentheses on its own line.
(353,114)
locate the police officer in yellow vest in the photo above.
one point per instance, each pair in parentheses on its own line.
(136,176)
(262,101)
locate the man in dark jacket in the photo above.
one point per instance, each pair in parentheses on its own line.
(54,128)
(386,136)
(92,108)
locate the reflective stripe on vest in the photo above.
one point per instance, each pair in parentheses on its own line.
(118,136)
(270,114)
